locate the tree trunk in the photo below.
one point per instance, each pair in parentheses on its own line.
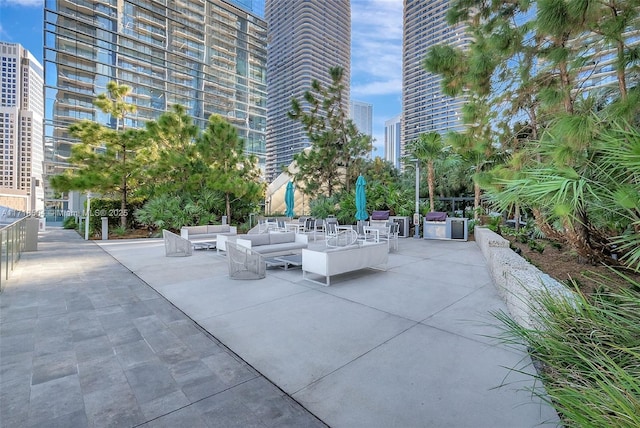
(123,206)
(565,82)
(565,79)
(620,72)
(579,239)
(123,201)
(620,68)
(227,201)
(476,200)
(534,130)
(546,228)
(431,184)
(586,240)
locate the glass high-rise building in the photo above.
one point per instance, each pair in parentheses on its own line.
(361,114)
(392,136)
(21,143)
(306,38)
(424,106)
(207,55)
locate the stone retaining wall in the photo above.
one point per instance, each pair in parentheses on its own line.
(516,279)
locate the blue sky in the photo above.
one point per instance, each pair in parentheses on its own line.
(376,51)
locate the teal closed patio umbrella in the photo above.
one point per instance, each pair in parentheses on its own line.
(288,199)
(361,199)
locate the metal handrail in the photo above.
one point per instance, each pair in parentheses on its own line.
(12,245)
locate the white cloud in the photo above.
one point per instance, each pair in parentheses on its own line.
(22,3)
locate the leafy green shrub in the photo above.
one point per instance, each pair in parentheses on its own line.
(69,223)
(119,231)
(535,232)
(243,227)
(163,212)
(347,212)
(536,246)
(323,206)
(494,224)
(171,212)
(390,196)
(471,226)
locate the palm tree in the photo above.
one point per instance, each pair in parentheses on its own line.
(427,149)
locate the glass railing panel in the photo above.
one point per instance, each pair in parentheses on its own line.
(12,244)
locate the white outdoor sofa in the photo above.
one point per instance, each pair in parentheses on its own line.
(206,236)
(334,261)
(271,243)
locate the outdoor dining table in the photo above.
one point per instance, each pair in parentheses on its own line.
(345,227)
(371,233)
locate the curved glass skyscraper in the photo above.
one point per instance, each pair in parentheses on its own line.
(424,106)
(306,38)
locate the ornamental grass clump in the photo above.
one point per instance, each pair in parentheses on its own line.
(587,352)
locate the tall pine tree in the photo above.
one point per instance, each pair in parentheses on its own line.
(332,161)
(104,161)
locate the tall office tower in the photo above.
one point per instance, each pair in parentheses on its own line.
(21,141)
(206,55)
(424,106)
(392,136)
(306,38)
(361,114)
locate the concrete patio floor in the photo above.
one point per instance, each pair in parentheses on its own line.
(412,346)
(113,333)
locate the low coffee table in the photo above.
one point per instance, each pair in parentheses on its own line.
(285,262)
(204,245)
